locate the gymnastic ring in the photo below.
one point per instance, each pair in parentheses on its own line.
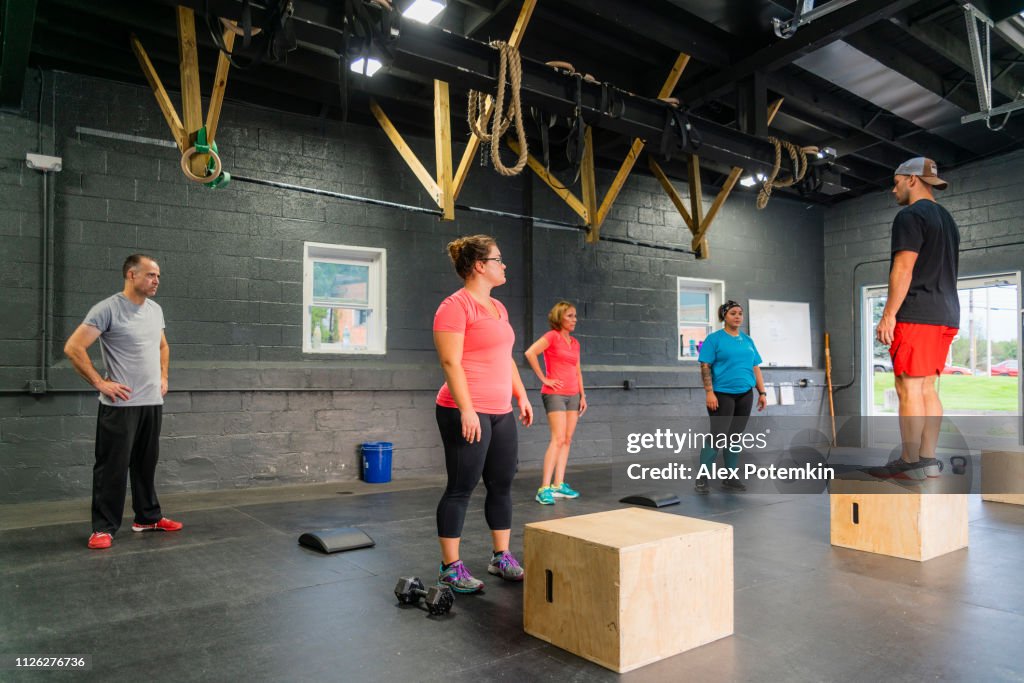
(218,166)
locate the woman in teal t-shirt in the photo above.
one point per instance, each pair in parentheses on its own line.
(729,368)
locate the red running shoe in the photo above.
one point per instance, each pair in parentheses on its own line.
(163,525)
(100,539)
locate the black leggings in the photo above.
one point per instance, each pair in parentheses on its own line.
(495,457)
(735,406)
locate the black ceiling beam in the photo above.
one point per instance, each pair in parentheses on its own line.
(64,42)
(894,58)
(851,144)
(883,155)
(752,105)
(490,6)
(814,118)
(478,17)
(881,127)
(315,70)
(867,171)
(955,49)
(544,17)
(681,33)
(318,22)
(807,39)
(15,45)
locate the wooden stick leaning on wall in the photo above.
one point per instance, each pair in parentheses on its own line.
(828,381)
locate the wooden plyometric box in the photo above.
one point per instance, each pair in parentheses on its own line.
(1002,477)
(628,587)
(881,518)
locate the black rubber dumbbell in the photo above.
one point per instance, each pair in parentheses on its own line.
(438,599)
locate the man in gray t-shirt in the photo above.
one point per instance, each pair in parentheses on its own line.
(130,328)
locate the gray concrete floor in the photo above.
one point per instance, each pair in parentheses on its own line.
(233,597)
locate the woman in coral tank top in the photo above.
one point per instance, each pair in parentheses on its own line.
(474,410)
(563,395)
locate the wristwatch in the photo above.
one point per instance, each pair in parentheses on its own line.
(763,393)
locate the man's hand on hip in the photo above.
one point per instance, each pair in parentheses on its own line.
(113,390)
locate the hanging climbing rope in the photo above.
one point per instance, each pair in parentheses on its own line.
(509,65)
(798,160)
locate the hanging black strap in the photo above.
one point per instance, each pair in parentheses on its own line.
(246,21)
(678,135)
(543,125)
(283,40)
(612,103)
(275,39)
(576,143)
(363,28)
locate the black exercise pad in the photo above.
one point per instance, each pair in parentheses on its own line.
(336,540)
(653,499)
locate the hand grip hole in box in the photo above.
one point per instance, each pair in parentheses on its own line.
(547,585)
(856,513)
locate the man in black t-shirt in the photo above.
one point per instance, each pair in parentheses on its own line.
(922,313)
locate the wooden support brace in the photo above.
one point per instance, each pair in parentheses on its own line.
(588,183)
(220,84)
(619,181)
(699,243)
(191,98)
(163,100)
(515,39)
(670,190)
(443,150)
(421,173)
(551,181)
(730,183)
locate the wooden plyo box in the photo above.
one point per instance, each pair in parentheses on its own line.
(628,587)
(1002,477)
(914,526)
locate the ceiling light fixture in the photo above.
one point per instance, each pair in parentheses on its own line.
(366,67)
(424,11)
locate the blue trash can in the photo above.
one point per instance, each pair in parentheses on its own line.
(377,462)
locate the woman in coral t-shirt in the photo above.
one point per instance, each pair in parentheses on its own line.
(474,412)
(564,399)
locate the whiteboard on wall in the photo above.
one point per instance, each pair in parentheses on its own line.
(781,331)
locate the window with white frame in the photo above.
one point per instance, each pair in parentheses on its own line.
(344,302)
(697,313)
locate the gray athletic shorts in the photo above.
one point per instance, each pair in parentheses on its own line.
(554,403)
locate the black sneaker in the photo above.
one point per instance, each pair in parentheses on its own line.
(899,469)
(701,486)
(733,485)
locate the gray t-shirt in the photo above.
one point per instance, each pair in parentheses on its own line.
(130,341)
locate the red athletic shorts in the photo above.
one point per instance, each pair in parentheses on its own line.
(920,350)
